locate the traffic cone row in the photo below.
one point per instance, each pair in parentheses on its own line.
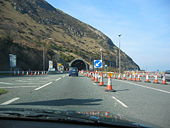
(23,73)
(98,78)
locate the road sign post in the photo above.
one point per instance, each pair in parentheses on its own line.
(12,61)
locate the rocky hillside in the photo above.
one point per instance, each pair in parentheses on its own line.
(27,27)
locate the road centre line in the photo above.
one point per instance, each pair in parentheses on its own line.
(146,87)
(10,101)
(19,87)
(43,86)
(124,105)
(5,83)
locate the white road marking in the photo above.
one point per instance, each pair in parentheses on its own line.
(124,105)
(43,86)
(19,87)
(57,79)
(21,81)
(5,83)
(10,101)
(28,83)
(146,87)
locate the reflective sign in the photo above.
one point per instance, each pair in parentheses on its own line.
(98,64)
(12,60)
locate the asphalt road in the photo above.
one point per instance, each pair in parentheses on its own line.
(147,102)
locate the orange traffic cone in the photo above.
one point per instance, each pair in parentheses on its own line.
(163,80)
(124,77)
(156,80)
(31,73)
(96,78)
(93,76)
(101,80)
(89,74)
(22,73)
(35,73)
(130,77)
(107,114)
(147,79)
(114,77)
(138,78)
(134,77)
(109,85)
(119,77)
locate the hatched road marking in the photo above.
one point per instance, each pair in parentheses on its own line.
(10,101)
(146,87)
(124,105)
(43,86)
(19,87)
(5,83)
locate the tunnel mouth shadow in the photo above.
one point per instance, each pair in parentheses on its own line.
(64,102)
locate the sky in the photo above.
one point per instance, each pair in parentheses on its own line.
(143,24)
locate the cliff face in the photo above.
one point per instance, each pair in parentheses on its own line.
(29,26)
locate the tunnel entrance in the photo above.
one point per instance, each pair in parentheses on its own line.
(80,64)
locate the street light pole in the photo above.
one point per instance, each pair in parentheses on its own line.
(101,57)
(119,55)
(44,54)
(101,54)
(43,59)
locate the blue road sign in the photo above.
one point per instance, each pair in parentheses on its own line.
(98,64)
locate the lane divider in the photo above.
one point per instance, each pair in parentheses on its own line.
(123,104)
(10,101)
(43,86)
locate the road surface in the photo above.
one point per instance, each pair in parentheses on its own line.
(143,101)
